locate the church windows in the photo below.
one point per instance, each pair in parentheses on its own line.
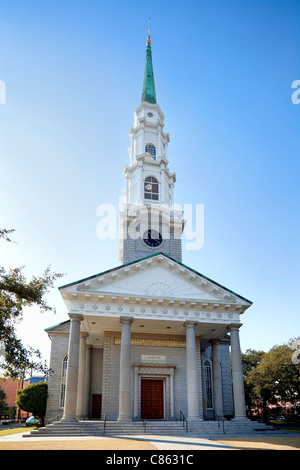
(151,188)
(63,380)
(208,383)
(151,150)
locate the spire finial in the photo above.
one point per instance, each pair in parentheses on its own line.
(148,39)
(148,84)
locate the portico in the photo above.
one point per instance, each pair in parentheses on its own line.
(144,337)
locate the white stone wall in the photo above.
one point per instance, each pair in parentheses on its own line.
(226,379)
(96,375)
(174,356)
(136,249)
(224,357)
(105,372)
(59,348)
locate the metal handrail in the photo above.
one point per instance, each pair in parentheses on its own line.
(144,424)
(54,418)
(184,421)
(219,418)
(104,424)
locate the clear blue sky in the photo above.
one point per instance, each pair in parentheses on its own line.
(223,71)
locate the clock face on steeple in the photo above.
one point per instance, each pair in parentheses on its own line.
(152,238)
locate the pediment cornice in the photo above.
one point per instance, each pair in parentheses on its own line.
(174,286)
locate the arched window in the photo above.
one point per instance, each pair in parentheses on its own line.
(151,188)
(63,380)
(208,383)
(151,150)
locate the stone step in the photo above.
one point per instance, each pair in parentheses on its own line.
(97,428)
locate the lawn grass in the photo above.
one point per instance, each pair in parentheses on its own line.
(262,443)
(9,431)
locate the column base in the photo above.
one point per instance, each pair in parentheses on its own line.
(124,420)
(194,418)
(72,419)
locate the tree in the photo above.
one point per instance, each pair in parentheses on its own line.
(3,404)
(33,398)
(15,294)
(276,377)
(251,359)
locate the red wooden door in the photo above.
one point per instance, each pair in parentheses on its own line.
(152,399)
(96,406)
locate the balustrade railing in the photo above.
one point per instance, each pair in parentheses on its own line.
(184,421)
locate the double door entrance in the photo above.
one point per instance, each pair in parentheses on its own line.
(152,399)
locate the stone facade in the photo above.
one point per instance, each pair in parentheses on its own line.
(104,373)
(59,350)
(136,249)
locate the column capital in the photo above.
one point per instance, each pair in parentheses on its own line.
(192,324)
(126,319)
(75,316)
(234,327)
(215,340)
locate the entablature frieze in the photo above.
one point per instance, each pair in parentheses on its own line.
(158,369)
(159,309)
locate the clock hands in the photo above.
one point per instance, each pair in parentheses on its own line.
(153,238)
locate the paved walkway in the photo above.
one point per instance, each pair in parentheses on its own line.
(158,442)
(135,442)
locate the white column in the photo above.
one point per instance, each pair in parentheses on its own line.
(172,193)
(217,379)
(192,372)
(141,188)
(125,370)
(136,393)
(237,374)
(87,380)
(158,152)
(172,401)
(161,188)
(127,196)
(81,372)
(72,372)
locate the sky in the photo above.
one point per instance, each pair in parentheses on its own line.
(73,75)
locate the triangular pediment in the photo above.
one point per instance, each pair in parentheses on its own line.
(156,281)
(60,328)
(158,277)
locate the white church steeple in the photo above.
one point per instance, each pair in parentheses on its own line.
(148,222)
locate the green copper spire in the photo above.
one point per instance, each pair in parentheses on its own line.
(149,85)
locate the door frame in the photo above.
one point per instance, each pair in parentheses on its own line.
(164,372)
(152,379)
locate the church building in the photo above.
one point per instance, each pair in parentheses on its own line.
(152,338)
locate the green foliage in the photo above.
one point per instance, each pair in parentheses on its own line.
(290,418)
(3,404)
(251,359)
(33,398)
(12,411)
(274,376)
(15,294)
